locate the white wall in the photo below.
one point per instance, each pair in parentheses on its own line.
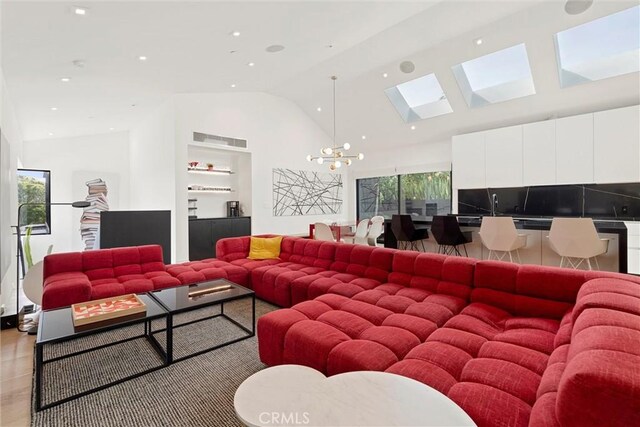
(9,195)
(427,157)
(73,162)
(152,153)
(279,134)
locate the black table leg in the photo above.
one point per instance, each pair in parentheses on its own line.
(38,377)
(169,333)
(253,315)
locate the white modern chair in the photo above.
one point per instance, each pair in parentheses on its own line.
(376,230)
(576,240)
(362,230)
(323,232)
(500,236)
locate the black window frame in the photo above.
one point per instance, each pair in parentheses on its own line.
(47,201)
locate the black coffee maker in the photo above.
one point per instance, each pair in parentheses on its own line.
(233,208)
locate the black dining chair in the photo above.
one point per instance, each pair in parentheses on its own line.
(405,231)
(446,231)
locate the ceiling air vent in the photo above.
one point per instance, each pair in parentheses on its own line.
(219,141)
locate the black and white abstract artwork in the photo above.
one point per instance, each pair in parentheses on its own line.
(298,192)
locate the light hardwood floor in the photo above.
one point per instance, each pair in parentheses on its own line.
(16,360)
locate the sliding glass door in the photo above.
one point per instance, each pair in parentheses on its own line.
(377,196)
(420,194)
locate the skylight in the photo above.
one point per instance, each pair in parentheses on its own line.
(496,77)
(418,99)
(605,47)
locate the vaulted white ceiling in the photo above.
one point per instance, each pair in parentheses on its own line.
(189,45)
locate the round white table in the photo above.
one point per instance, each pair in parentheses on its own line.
(293,395)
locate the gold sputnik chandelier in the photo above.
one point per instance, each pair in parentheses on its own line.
(335,156)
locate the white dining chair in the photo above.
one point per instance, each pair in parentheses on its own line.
(499,235)
(576,240)
(323,232)
(375,230)
(360,238)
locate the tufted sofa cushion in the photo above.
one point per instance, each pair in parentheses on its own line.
(356,269)
(208,269)
(82,276)
(593,378)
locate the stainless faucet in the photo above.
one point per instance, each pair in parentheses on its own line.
(494,204)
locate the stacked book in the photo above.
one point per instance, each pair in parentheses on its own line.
(90,220)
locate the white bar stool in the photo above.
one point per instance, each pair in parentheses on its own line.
(576,240)
(499,235)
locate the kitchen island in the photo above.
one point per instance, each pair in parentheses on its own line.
(537,251)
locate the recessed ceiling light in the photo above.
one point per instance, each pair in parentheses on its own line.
(79,11)
(385,75)
(112,128)
(233,85)
(235,33)
(65,79)
(478,41)
(274,48)
(54,108)
(413,127)
(319,109)
(251,64)
(142,58)
(50,133)
(364,136)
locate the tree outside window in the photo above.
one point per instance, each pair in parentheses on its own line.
(33,188)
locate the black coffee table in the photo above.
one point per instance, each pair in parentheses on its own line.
(56,326)
(177,300)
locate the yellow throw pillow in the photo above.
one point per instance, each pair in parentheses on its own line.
(265,247)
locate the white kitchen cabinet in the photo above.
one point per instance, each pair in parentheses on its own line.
(503,157)
(539,153)
(616,145)
(468,165)
(574,150)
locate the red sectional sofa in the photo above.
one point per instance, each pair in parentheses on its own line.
(75,277)
(512,345)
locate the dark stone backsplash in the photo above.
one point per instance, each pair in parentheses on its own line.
(601,201)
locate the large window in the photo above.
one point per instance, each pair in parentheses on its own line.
(34,193)
(377,196)
(425,194)
(418,194)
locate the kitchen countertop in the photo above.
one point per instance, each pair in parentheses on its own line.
(530,223)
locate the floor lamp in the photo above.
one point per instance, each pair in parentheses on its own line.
(78,204)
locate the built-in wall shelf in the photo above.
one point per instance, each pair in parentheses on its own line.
(216,174)
(206,171)
(212,191)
